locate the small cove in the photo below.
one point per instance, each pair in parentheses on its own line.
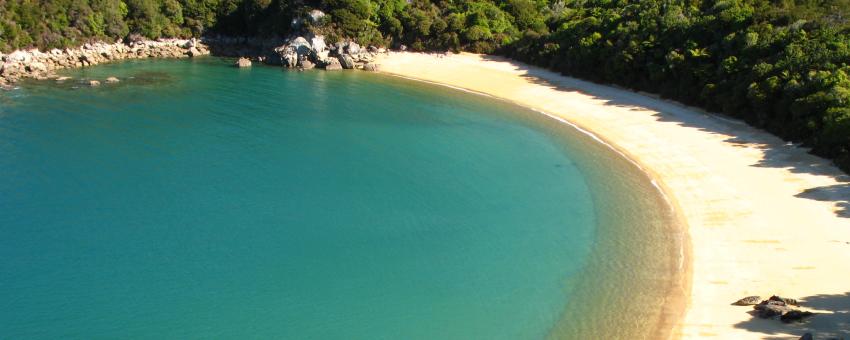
(194,199)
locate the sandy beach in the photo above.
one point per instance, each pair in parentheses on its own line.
(764,217)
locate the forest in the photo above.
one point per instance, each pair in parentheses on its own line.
(780,65)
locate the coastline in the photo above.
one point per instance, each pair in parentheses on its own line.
(293,52)
(763,217)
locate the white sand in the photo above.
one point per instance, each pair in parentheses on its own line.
(763,217)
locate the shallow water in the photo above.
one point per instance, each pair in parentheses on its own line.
(198,200)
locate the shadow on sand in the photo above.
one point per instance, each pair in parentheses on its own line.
(832,322)
(775,151)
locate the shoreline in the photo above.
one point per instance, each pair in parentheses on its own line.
(676,296)
(762,217)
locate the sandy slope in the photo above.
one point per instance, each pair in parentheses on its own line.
(763,217)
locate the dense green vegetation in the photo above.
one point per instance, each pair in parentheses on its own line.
(782,65)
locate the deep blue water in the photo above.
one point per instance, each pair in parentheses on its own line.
(197,200)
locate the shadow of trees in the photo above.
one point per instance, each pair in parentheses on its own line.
(832,322)
(775,151)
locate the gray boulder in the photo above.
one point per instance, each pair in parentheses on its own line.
(318,43)
(371,67)
(323,57)
(301,46)
(346,61)
(288,56)
(333,65)
(353,48)
(316,16)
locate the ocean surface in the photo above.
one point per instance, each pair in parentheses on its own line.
(197,200)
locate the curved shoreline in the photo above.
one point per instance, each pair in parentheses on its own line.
(762,217)
(675,300)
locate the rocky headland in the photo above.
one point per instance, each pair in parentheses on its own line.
(298,52)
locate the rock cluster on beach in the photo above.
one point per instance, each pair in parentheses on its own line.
(42,65)
(775,306)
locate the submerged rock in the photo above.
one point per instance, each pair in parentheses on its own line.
(112,80)
(307,65)
(748,301)
(243,62)
(807,336)
(63,78)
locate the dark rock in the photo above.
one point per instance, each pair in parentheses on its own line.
(787,301)
(795,315)
(768,309)
(346,61)
(748,301)
(807,336)
(134,38)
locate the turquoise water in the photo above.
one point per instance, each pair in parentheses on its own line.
(197,200)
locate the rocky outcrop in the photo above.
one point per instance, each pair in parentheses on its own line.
(313,48)
(301,52)
(43,65)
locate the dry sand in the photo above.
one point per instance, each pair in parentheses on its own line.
(764,217)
